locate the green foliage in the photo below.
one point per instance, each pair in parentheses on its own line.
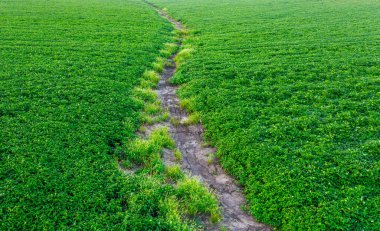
(170,183)
(169,49)
(197,199)
(177,155)
(187,104)
(145,94)
(288,92)
(158,66)
(153,206)
(141,151)
(163,117)
(153,108)
(66,78)
(170,209)
(161,136)
(182,56)
(178,78)
(151,76)
(193,118)
(174,172)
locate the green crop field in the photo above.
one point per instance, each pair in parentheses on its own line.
(289,93)
(67,69)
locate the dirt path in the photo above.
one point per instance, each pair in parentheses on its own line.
(196,157)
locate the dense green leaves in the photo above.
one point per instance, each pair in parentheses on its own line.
(66,73)
(289,93)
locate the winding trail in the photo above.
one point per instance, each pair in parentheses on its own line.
(196,157)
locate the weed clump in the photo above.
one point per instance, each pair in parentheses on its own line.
(182,56)
(162,117)
(153,108)
(151,76)
(159,65)
(174,173)
(211,158)
(175,121)
(169,49)
(143,151)
(177,78)
(177,155)
(187,104)
(145,94)
(161,137)
(193,118)
(197,199)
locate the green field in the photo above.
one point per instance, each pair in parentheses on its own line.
(76,83)
(67,69)
(289,93)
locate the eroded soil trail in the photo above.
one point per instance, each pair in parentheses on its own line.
(196,157)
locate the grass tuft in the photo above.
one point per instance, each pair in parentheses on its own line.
(151,76)
(162,117)
(197,199)
(183,55)
(193,118)
(187,104)
(175,121)
(147,84)
(177,155)
(211,158)
(158,65)
(169,49)
(174,173)
(153,108)
(161,137)
(145,94)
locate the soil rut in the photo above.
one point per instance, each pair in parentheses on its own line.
(196,157)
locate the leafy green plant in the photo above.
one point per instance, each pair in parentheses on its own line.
(66,108)
(288,93)
(169,49)
(197,199)
(151,76)
(146,94)
(177,155)
(153,108)
(193,118)
(158,66)
(174,172)
(187,104)
(182,56)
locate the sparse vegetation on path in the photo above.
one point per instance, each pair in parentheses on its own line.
(289,94)
(189,204)
(191,158)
